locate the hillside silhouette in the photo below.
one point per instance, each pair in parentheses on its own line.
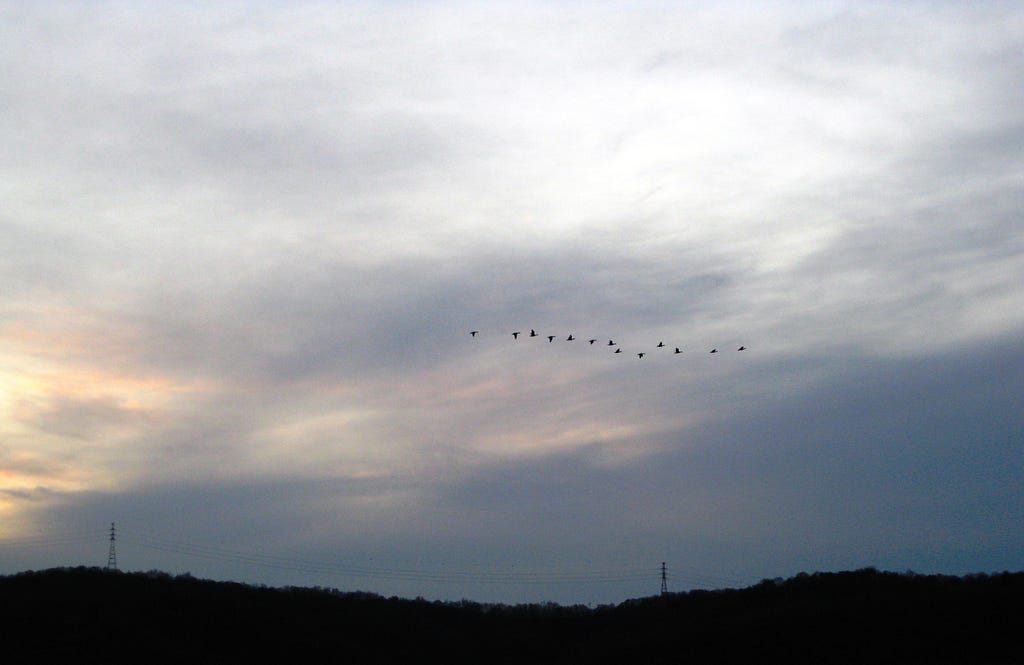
(864,616)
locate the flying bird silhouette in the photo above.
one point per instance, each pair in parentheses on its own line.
(611,342)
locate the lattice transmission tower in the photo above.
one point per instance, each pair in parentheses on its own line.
(664,578)
(112,553)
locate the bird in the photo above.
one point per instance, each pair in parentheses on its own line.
(677,350)
(742,348)
(618,350)
(533,333)
(640,355)
(570,338)
(611,343)
(713,351)
(661,344)
(591,341)
(551,338)
(473,333)
(515,335)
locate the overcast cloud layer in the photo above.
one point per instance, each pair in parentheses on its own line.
(242,247)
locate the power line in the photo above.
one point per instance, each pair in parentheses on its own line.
(54,540)
(684,577)
(399,574)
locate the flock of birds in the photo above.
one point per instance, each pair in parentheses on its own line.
(611,343)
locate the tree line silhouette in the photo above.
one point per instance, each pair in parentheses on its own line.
(864,616)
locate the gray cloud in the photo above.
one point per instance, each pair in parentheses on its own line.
(78,418)
(898,464)
(255,243)
(901,464)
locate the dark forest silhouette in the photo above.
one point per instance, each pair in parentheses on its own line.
(864,616)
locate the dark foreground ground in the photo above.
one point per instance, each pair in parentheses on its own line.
(866,616)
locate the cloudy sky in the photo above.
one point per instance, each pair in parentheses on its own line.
(243,245)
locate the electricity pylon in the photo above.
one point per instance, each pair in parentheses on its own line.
(112,554)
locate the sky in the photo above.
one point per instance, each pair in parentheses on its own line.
(243,245)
